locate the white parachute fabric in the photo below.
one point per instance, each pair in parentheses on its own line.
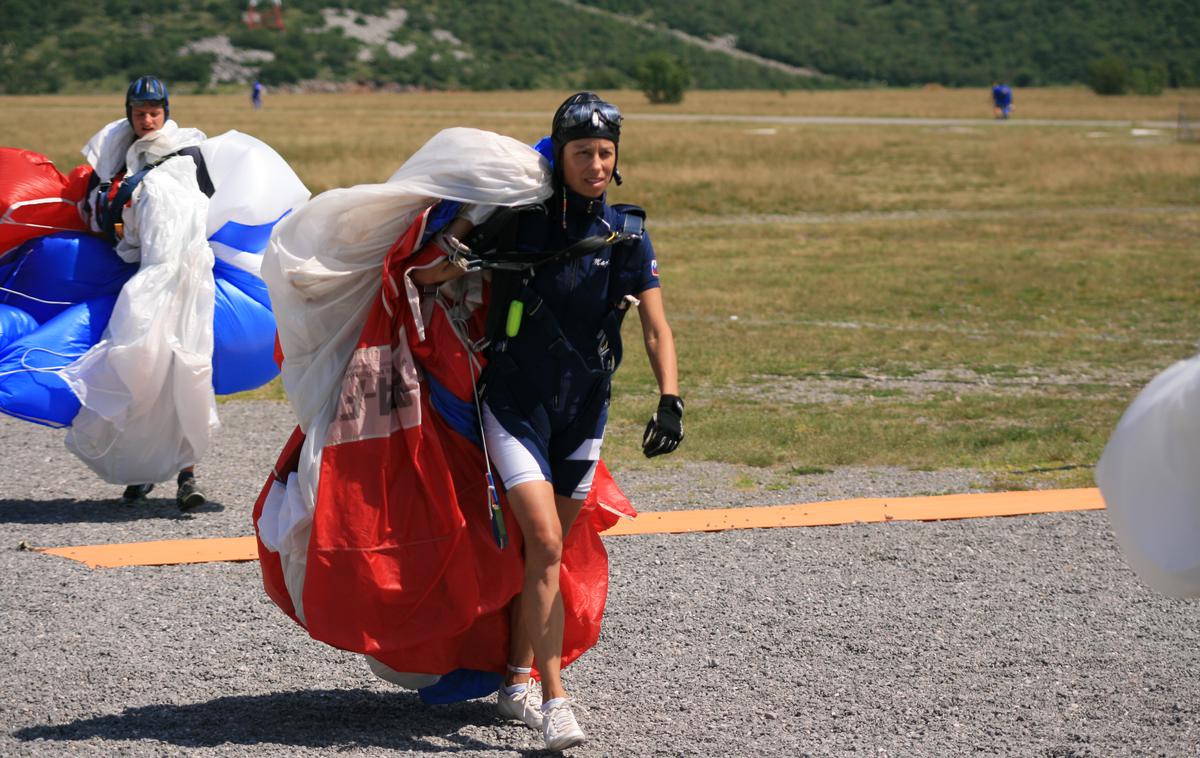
(1150,479)
(157,145)
(401,678)
(115,147)
(285,524)
(105,151)
(254,187)
(322,267)
(146,387)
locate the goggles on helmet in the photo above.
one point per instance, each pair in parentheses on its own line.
(593,112)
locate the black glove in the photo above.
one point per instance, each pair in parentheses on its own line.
(665,430)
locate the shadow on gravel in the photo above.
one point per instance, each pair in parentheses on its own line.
(309,718)
(96,511)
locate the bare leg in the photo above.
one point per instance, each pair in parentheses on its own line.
(537,614)
(520,646)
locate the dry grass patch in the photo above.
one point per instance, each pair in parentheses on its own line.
(988,250)
(1098,299)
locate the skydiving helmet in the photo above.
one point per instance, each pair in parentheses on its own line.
(146,89)
(581,116)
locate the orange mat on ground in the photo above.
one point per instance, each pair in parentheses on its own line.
(160,553)
(866,510)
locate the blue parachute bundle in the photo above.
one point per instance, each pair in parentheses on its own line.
(57,292)
(243,331)
(14,324)
(57,295)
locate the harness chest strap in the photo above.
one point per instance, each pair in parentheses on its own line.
(117,195)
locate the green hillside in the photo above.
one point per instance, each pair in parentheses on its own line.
(78,45)
(951,42)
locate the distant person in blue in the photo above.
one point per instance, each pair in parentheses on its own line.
(549,377)
(1002,98)
(256,93)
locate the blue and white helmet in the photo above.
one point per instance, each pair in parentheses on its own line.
(146,89)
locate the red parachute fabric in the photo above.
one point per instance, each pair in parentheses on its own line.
(402,564)
(36,199)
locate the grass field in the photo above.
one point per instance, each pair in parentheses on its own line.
(971,294)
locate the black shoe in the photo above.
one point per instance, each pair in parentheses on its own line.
(136,493)
(189,495)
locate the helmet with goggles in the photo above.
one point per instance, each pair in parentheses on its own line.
(585,115)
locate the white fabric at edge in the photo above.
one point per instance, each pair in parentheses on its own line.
(1151,483)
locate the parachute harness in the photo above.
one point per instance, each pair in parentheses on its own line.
(112,202)
(495,241)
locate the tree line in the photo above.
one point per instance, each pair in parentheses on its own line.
(523,44)
(951,42)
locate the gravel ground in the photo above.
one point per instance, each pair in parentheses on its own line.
(1013,636)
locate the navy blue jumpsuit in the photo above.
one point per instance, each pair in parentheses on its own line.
(547,388)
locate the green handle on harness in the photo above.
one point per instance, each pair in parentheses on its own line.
(515,309)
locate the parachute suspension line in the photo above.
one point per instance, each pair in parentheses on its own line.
(72,356)
(459,323)
(7,217)
(27,369)
(79,451)
(22,223)
(499,531)
(38,299)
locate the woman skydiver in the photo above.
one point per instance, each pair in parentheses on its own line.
(547,384)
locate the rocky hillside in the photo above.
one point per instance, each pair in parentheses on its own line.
(87,45)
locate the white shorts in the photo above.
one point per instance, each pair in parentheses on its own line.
(525,459)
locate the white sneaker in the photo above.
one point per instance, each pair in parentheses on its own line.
(524,705)
(559,727)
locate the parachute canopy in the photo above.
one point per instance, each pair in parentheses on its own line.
(59,284)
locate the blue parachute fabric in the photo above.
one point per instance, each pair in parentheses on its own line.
(459,685)
(249,239)
(460,415)
(77,267)
(248,283)
(14,324)
(243,331)
(443,213)
(546,147)
(29,387)
(54,272)
(8,263)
